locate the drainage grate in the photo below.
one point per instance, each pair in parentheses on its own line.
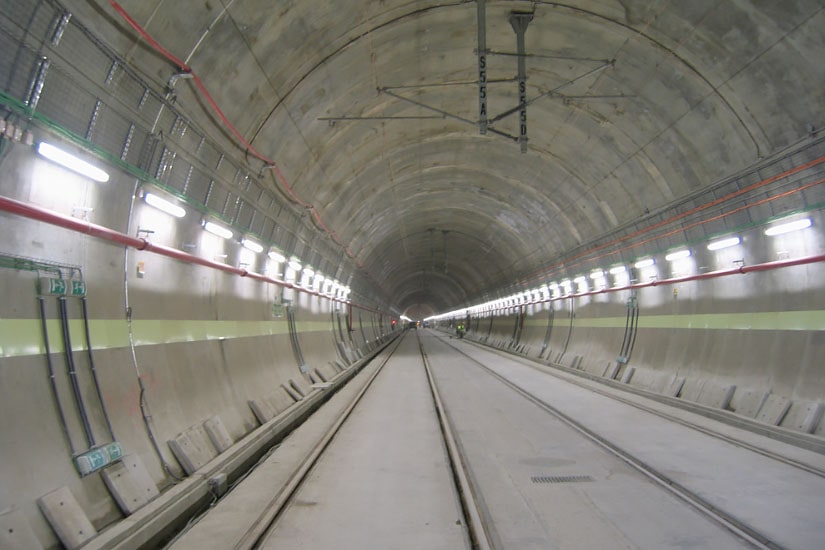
(560,479)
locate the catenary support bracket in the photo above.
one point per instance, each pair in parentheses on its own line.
(519,22)
(482,66)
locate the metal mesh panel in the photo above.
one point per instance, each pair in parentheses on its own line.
(64,101)
(94,64)
(74,80)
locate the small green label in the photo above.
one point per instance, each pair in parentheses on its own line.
(78,288)
(114,451)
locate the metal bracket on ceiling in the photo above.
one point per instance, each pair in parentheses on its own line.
(481,15)
(519,22)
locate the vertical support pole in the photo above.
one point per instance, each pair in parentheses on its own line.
(519,22)
(482,66)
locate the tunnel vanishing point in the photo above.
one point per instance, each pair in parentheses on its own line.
(201,201)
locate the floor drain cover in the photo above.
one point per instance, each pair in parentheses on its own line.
(560,479)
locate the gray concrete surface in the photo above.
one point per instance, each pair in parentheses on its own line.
(385,481)
(507,447)
(707,121)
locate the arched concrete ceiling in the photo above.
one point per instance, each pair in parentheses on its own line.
(654,100)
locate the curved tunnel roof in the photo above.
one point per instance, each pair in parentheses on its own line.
(370,109)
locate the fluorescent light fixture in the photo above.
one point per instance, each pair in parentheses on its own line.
(597,275)
(787,227)
(306,276)
(164,205)
(218,230)
(580,279)
(644,263)
(318,281)
(724,243)
(276,256)
(71,162)
(294,264)
(252,245)
(678,255)
(618,270)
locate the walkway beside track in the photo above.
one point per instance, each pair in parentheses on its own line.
(384,481)
(546,486)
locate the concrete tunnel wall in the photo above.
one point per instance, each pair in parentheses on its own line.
(206,342)
(758,335)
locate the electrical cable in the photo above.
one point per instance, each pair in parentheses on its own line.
(93,369)
(78,394)
(52,381)
(146,417)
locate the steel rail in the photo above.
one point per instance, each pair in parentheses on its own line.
(574,376)
(729,522)
(479,535)
(265,524)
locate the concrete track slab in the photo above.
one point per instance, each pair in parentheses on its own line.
(778,500)
(384,481)
(545,486)
(233,515)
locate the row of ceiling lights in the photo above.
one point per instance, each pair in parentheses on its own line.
(556,290)
(309,278)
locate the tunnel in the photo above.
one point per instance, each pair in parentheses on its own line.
(218,215)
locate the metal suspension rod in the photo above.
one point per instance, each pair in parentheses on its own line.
(481,10)
(519,22)
(78,395)
(93,369)
(52,381)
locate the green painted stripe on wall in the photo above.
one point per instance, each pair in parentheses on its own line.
(20,337)
(773,320)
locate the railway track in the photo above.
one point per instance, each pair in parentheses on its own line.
(267,524)
(752,535)
(467,479)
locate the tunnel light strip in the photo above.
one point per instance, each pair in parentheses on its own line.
(252,245)
(641,264)
(218,230)
(618,270)
(678,255)
(276,256)
(164,205)
(67,160)
(724,243)
(788,227)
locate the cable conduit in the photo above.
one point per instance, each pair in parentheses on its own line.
(34,212)
(52,381)
(72,372)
